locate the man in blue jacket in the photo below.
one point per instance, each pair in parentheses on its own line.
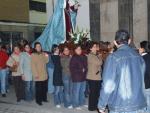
(123,79)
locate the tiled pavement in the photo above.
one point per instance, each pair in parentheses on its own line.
(9,105)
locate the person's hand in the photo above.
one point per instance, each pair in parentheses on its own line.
(76,6)
(83,70)
(115,43)
(16,63)
(23,77)
(46,77)
(46,54)
(36,77)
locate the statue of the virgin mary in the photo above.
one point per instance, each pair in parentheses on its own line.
(60,24)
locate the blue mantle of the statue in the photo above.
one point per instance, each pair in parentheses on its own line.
(55,31)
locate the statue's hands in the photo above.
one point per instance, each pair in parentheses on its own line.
(67,11)
(77,5)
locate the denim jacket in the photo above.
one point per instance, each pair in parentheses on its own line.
(123,81)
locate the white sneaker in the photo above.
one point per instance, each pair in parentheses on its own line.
(58,106)
(78,108)
(70,107)
(86,106)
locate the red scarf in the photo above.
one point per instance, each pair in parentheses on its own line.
(30,52)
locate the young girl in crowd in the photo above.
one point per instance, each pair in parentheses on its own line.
(14,62)
(57,77)
(78,68)
(94,76)
(65,61)
(39,60)
(25,66)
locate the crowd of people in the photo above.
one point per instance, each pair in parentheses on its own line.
(112,76)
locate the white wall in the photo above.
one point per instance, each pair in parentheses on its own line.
(83,19)
(49,8)
(37,17)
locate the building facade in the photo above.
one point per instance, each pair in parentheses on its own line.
(27,18)
(21,19)
(104,17)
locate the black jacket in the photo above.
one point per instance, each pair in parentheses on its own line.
(147,72)
(57,74)
(78,68)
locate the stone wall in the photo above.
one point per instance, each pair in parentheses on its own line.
(134,18)
(140,31)
(109,19)
(95,19)
(14,10)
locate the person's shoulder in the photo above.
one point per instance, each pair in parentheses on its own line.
(84,57)
(23,53)
(33,54)
(55,56)
(89,55)
(113,55)
(13,55)
(74,57)
(3,53)
(147,56)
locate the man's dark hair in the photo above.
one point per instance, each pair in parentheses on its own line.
(65,46)
(3,47)
(37,43)
(16,45)
(91,44)
(27,44)
(76,46)
(122,37)
(145,45)
(54,47)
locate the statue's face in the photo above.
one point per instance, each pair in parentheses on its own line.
(71,2)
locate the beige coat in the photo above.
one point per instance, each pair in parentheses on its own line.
(94,67)
(38,65)
(11,61)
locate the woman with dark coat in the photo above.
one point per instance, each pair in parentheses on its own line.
(57,77)
(78,69)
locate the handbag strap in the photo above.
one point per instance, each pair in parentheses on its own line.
(13,58)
